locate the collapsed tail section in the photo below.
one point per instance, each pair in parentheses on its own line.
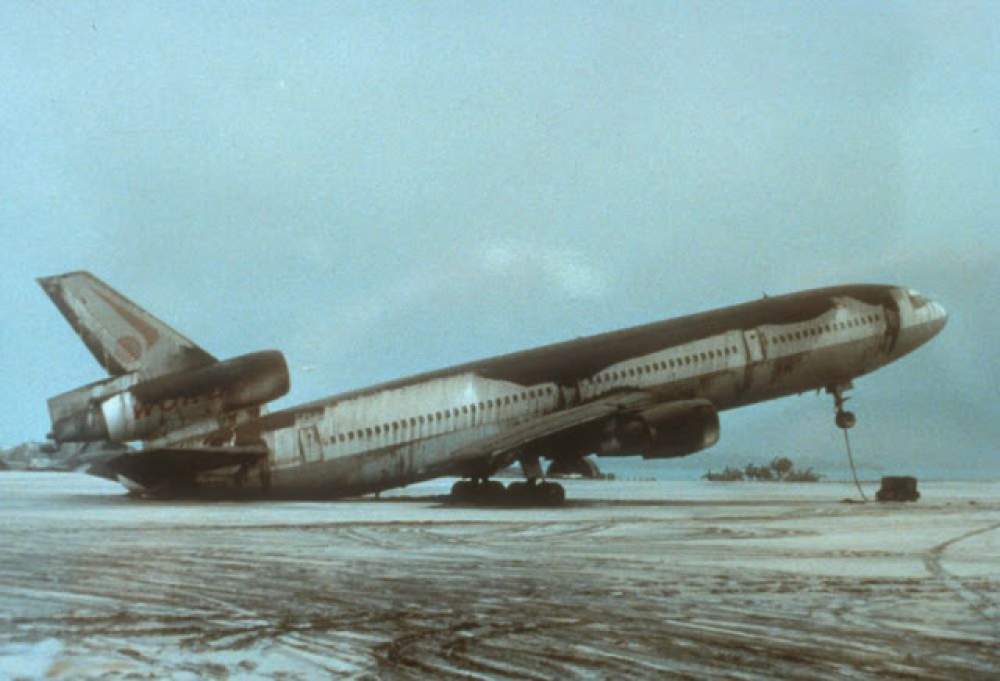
(122,336)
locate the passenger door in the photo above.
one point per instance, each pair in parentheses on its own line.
(755,347)
(310,447)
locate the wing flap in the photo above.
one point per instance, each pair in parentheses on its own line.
(501,449)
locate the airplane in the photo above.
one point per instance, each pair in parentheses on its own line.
(654,390)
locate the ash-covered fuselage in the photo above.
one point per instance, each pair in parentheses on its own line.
(653,390)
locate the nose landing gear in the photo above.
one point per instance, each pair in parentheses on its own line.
(845,420)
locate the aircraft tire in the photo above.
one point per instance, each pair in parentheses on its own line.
(846,419)
(492,491)
(551,494)
(518,492)
(463,490)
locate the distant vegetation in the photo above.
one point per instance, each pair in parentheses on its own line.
(781,469)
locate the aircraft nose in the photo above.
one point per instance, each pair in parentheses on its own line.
(940,316)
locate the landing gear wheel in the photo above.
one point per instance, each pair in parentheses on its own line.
(845,419)
(463,490)
(517,491)
(550,494)
(492,492)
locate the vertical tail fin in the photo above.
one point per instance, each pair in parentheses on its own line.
(122,336)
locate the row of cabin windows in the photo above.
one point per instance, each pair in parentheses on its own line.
(663,365)
(826,328)
(666,364)
(414,421)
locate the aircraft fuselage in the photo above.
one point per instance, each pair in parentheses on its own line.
(409,430)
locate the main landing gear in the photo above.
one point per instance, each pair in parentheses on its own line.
(520,493)
(531,492)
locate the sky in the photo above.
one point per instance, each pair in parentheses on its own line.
(378,189)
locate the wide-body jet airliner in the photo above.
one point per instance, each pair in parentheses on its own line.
(654,390)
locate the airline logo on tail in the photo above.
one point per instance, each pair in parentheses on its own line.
(122,336)
(130,345)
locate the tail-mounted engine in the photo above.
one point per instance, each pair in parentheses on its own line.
(665,431)
(123,409)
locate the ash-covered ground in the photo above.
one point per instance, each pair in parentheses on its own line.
(631,579)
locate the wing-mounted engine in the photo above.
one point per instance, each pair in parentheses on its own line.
(666,431)
(193,402)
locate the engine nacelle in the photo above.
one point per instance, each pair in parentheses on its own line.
(665,431)
(173,401)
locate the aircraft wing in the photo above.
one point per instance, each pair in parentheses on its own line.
(149,467)
(500,450)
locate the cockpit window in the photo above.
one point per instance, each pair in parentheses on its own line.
(918,301)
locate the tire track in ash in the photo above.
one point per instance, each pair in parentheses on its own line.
(980,602)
